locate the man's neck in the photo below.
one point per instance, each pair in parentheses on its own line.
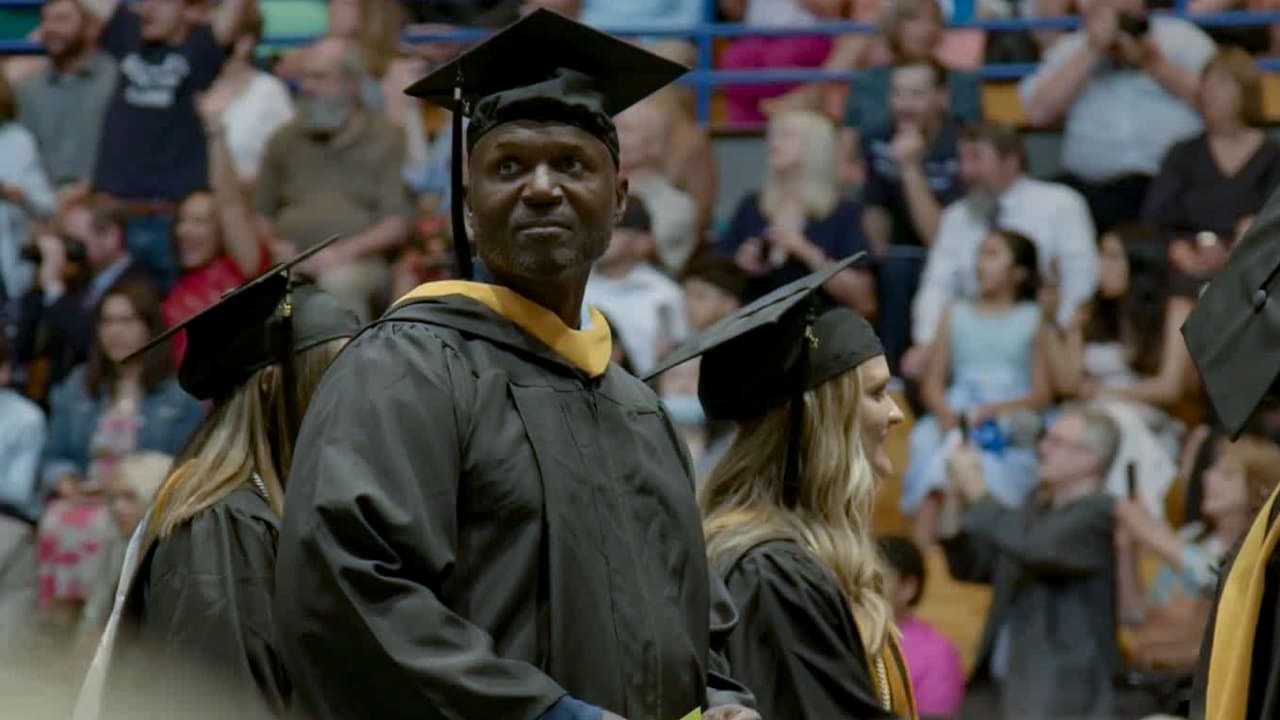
(618,269)
(1003,187)
(1070,492)
(1230,527)
(350,129)
(562,296)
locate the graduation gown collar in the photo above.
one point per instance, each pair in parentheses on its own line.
(588,350)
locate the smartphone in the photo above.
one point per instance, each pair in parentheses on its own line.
(1131,476)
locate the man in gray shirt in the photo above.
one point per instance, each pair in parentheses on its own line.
(1049,646)
(64,105)
(1125,89)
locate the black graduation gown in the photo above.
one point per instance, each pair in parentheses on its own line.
(1264,675)
(476,527)
(796,644)
(197,634)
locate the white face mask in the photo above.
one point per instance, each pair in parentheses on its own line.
(323,114)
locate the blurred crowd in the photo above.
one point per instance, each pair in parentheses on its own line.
(156,156)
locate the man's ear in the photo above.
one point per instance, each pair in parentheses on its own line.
(620,199)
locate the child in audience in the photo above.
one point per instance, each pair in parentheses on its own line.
(988,366)
(130,490)
(933,662)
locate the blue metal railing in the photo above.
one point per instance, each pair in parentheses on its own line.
(704,77)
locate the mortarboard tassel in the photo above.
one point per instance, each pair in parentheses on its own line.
(283,342)
(461,245)
(795,419)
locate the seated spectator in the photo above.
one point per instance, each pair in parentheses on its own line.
(1000,194)
(1209,184)
(911,32)
(63,105)
(646,305)
(643,133)
(78,265)
(1171,616)
(22,437)
(336,169)
(250,104)
(989,366)
(129,492)
(690,164)
(937,675)
(427,257)
(1127,343)
(25,195)
(797,222)
(1049,643)
(913,171)
(713,288)
(152,152)
(1124,88)
(743,101)
(101,413)
(219,248)
(663,14)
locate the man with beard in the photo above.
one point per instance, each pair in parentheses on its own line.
(336,169)
(1001,195)
(487,518)
(63,106)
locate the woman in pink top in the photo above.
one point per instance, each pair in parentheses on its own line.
(217,243)
(937,675)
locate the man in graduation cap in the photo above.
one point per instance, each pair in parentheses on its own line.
(1233,336)
(486,518)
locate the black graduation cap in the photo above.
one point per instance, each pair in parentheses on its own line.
(543,67)
(770,352)
(1233,334)
(267,320)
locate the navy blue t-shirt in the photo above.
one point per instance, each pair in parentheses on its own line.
(153,144)
(839,235)
(884,181)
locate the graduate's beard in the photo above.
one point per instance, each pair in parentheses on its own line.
(324,115)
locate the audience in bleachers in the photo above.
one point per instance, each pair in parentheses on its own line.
(986,382)
(999,193)
(797,221)
(162,142)
(101,413)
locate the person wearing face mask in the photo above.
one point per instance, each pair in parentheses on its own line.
(336,169)
(787,509)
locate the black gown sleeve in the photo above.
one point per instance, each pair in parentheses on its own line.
(371,533)
(796,644)
(209,602)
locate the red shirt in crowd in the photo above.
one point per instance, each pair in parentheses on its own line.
(201,288)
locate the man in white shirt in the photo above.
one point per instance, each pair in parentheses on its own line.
(1125,89)
(645,308)
(1000,195)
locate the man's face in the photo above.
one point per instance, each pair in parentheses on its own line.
(705,304)
(327,94)
(1066,454)
(980,166)
(915,98)
(543,200)
(627,244)
(101,248)
(62,29)
(162,20)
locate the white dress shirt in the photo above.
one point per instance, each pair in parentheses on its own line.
(1053,216)
(645,308)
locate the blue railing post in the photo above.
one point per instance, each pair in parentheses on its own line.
(706,59)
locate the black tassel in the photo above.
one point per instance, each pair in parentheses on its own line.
(461,245)
(283,343)
(795,418)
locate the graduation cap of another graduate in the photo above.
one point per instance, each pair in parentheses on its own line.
(770,352)
(1233,334)
(544,67)
(267,320)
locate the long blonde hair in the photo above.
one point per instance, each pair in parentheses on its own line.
(742,502)
(819,177)
(247,432)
